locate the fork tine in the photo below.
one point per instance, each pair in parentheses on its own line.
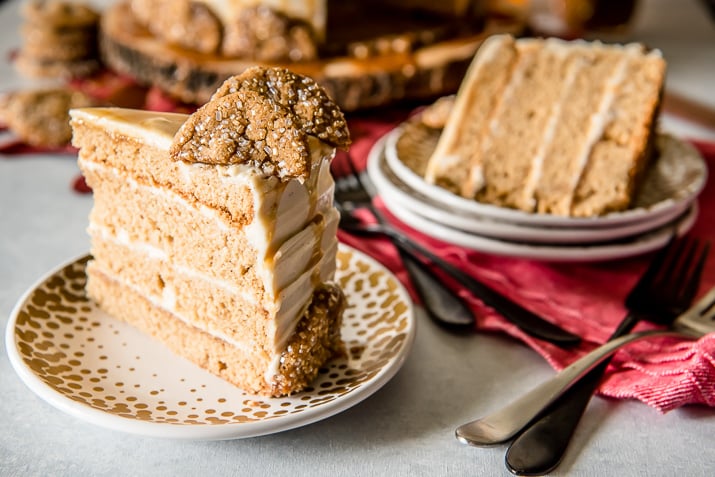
(699,320)
(655,269)
(683,261)
(671,280)
(680,273)
(690,284)
(708,311)
(350,188)
(673,259)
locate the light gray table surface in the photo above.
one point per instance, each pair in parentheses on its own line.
(407,427)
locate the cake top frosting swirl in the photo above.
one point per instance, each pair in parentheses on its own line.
(264,117)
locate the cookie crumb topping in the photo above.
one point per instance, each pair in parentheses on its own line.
(263,117)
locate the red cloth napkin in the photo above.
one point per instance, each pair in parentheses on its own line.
(584,298)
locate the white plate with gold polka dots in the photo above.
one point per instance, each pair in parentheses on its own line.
(104,371)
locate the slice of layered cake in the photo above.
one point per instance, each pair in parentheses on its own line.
(551,126)
(215,233)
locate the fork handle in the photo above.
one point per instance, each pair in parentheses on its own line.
(505,423)
(539,449)
(541,446)
(442,304)
(525,319)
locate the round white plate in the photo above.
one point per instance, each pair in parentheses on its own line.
(555,253)
(102,370)
(672,182)
(393,189)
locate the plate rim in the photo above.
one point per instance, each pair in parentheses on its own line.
(501,230)
(505,214)
(564,252)
(560,252)
(234,430)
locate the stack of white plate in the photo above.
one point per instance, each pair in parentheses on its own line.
(666,204)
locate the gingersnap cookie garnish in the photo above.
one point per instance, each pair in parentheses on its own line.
(264,117)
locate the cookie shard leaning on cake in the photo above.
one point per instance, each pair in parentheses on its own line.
(551,126)
(216,238)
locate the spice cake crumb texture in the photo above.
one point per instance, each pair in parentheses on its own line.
(227,262)
(551,126)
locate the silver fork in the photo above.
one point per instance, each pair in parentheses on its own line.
(669,283)
(697,321)
(659,298)
(351,192)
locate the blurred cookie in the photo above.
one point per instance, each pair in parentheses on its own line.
(180,22)
(60,51)
(59,14)
(40,117)
(262,34)
(49,68)
(59,40)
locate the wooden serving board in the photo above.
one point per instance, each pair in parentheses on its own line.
(422,58)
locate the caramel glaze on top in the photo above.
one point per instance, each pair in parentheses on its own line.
(265,118)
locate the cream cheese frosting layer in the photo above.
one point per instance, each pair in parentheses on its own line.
(152,128)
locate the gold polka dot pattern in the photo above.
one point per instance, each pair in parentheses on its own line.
(88,357)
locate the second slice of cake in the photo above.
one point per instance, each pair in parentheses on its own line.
(551,126)
(216,233)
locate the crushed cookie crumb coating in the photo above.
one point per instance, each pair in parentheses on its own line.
(262,118)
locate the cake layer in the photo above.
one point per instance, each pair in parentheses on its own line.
(627,132)
(200,238)
(551,126)
(569,147)
(478,95)
(136,142)
(232,311)
(510,149)
(295,368)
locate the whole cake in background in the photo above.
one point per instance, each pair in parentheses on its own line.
(216,233)
(551,126)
